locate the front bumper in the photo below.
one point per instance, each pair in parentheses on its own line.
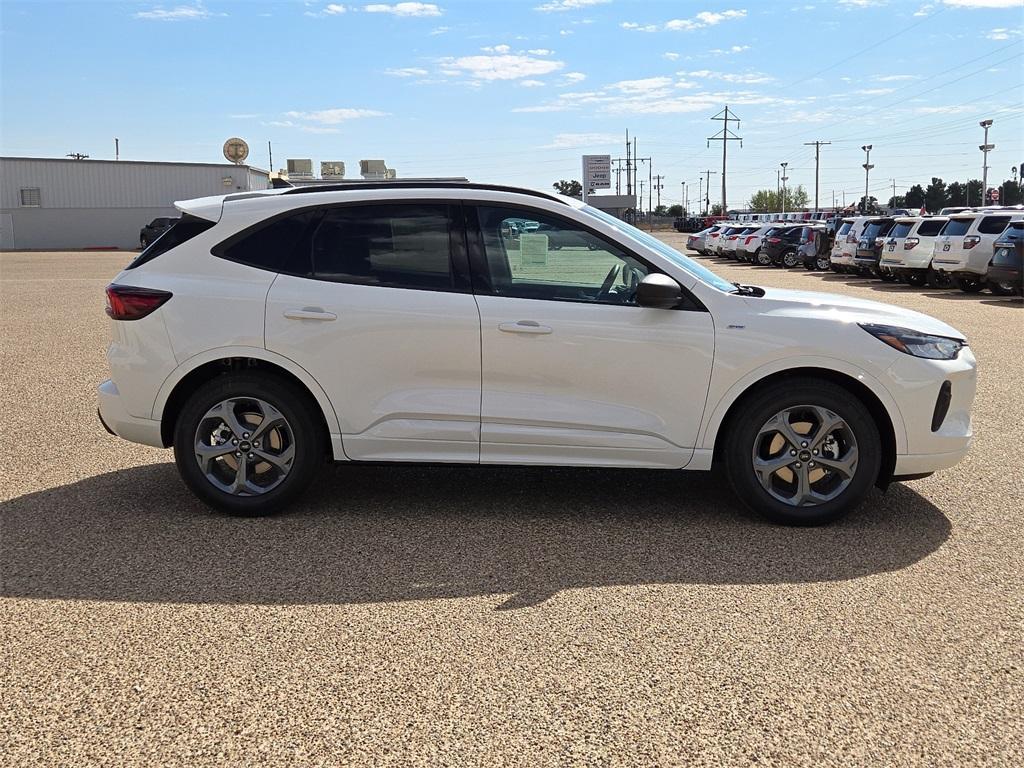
(116,420)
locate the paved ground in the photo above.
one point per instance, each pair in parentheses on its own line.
(485,617)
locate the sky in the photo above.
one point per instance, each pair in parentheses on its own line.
(515,92)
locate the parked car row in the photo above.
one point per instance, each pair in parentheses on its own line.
(958,248)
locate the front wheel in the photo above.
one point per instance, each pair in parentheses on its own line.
(802,452)
(823,263)
(789,259)
(969,284)
(247,444)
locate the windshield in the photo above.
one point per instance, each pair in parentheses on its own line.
(692,267)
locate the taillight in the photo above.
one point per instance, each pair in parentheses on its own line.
(910,242)
(127,303)
(774,240)
(810,236)
(747,241)
(971,241)
(879,241)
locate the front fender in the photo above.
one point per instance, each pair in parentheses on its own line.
(712,422)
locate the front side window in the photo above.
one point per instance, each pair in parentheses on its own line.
(555,259)
(402,245)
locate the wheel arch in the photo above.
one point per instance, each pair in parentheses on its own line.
(866,389)
(196,371)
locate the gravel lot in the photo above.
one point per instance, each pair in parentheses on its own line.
(471,616)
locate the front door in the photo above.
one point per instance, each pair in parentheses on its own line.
(386,322)
(574,372)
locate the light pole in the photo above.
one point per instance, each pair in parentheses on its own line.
(867,166)
(985,149)
(785,178)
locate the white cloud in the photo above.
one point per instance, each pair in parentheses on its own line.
(634,27)
(861,3)
(178,13)
(985,3)
(540,51)
(729,50)
(646,84)
(1004,33)
(747,78)
(249,116)
(952,109)
(924,10)
(333,116)
(406,72)
(575,140)
(404,9)
(439,30)
(497,48)
(557,6)
(565,32)
(531,83)
(502,67)
(670,56)
(572,78)
(704,19)
(333,9)
(894,78)
(874,91)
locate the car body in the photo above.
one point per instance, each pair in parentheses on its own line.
(697,241)
(813,246)
(1006,270)
(780,246)
(749,245)
(845,246)
(717,246)
(711,237)
(869,245)
(964,247)
(907,250)
(155,228)
(397,322)
(733,241)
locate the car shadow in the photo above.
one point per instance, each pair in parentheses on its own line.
(392,533)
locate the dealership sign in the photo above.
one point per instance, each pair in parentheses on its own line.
(597,172)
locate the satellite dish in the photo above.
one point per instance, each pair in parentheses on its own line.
(236,150)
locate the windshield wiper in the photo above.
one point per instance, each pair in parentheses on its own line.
(748,290)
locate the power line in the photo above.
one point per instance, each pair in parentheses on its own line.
(725,136)
(817,165)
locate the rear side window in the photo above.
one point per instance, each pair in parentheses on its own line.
(186,228)
(276,245)
(397,246)
(993,225)
(1014,232)
(930,228)
(956,227)
(902,229)
(847,225)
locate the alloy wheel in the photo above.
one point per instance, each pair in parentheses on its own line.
(805,455)
(244,446)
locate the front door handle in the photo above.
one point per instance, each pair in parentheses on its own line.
(524,326)
(309,313)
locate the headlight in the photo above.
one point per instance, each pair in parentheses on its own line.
(916,343)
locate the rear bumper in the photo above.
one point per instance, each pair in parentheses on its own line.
(926,463)
(117,421)
(969,264)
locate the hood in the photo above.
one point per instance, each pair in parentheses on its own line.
(846,309)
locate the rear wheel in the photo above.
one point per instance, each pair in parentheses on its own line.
(917,278)
(886,275)
(803,452)
(823,263)
(969,284)
(248,445)
(763,258)
(1002,288)
(937,279)
(789,259)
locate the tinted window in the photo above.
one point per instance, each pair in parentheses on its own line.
(274,245)
(1013,232)
(845,228)
(558,261)
(993,225)
(184,230)
(398,246)
(1007,256)
(876,229)
(929,228)
(957,227)
(902,229)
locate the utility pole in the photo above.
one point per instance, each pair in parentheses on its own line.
(117,148)
(650,184)
(725,136)
(893,192)
(707,191)
(629,181)
(867,166)
(659,187)
(700,190)
(985,149)
(817,161)
(683,208)
(618,175)
(785,178)
(270,153)
(641,183)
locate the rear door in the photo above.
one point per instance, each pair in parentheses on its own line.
(574,372)
(382,315)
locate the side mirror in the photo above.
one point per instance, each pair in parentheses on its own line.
(659,292)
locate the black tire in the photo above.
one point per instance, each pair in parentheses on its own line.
(887,276)
(969,284)
(1001,289)
(762,258)
(937,279)
(762,405)
(302,415)
(823,263)
(789,259)
(917,278)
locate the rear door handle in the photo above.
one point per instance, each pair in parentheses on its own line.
(524,326)
(309,313)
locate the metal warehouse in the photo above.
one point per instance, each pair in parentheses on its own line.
(56,203)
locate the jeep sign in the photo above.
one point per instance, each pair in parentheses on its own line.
(597,172)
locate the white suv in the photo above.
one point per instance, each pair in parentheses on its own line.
(405,322)
(907,250)
(845,247)
(964,247)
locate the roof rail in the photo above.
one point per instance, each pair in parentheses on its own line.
(414,184)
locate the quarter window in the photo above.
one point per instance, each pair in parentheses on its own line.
(397,246)
(534,256)
(993,225)
(929,228)
(275,246)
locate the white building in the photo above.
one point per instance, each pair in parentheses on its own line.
(57,203)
